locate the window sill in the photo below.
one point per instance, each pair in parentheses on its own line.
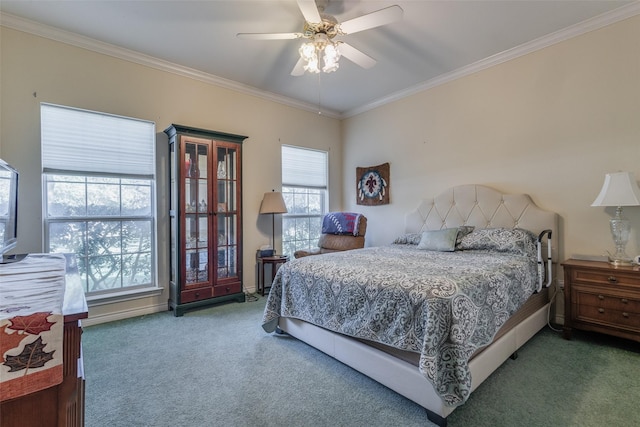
(128,295)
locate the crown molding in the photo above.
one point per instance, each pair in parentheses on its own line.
(73,39)
(589,25)
(77,40)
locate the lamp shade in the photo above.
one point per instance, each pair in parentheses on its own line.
(273,203)
(619,189)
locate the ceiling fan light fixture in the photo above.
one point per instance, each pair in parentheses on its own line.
(320,47)
(308,52)
(331,57)
(312,66)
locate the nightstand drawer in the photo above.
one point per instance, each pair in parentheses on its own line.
(608,317)
(602,277)
(593,298)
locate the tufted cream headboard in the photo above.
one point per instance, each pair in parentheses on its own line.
(482,207)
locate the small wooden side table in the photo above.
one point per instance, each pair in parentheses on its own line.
(275,262)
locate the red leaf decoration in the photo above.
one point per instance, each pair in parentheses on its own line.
(33,324)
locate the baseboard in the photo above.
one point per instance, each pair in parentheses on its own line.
(124,314)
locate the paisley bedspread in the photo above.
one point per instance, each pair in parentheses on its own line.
(443,305)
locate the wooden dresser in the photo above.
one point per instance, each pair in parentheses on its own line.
(602,298)
(63,404)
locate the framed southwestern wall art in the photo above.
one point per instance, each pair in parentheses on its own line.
(372,185)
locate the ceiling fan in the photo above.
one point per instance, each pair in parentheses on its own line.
(321,29)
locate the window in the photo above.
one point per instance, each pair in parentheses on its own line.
(99,196)
(304,188)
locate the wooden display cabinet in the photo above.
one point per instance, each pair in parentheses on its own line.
(205,217)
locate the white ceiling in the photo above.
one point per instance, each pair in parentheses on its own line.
(435,39)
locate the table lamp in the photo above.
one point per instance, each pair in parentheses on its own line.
(619,189)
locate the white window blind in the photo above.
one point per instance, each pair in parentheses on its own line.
(75,140)
(304,167)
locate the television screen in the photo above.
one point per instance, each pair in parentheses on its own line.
(8,207)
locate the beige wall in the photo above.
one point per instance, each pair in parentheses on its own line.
(549,124)
(36,70)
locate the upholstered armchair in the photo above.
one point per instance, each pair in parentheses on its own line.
(331,242)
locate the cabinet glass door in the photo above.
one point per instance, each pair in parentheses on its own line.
(227,212)
(196,218)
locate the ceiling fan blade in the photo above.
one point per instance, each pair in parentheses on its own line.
(309,11)
(356,56)
(298,70)
(371,20)
(269,36)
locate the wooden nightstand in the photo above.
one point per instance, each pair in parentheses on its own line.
(601,298)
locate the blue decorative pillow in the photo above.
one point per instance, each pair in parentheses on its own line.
(513,240)
(439,240)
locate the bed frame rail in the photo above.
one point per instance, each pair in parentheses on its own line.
(549,267)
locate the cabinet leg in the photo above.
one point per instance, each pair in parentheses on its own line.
(566,333)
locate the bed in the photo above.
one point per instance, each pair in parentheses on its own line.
(432,315)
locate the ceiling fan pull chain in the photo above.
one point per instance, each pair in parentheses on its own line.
(319,93)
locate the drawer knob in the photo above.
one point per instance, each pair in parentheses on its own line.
(600,297)
(601,310)
(625,314)
(624,301)
(612,279)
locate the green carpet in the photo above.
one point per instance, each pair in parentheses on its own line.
(217,367)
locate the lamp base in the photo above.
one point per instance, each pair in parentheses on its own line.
(620,231)
(620,262)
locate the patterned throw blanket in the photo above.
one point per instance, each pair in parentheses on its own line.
(341,223)
(442,305)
